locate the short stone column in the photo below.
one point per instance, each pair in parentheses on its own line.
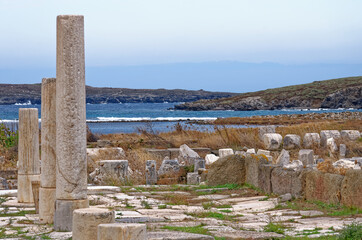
(117,231)
(71,155)
(48,143)
(28,153)
(151,172)
(86,221)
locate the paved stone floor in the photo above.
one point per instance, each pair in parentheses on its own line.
(217,213)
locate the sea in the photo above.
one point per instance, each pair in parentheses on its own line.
(135,117)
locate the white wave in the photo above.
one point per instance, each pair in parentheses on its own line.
(158,119)
(23,104)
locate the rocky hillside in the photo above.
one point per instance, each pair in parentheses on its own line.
(23,93)
(335,93)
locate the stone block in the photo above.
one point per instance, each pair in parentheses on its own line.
(25,193)
(283,158)
(199,163)
(311,139)
(266,129)
(120,231)
(187,156)
(291,141)
(264,152)
(252,169)
(151,172)
(325,187)
(306,156)
(63,216)
(225,152)
(285,181)
(351,135)
(46,205)
(342,150)
(264,177)
(86,221)
(114,168)
(169,167)
(326,134)
(352,189)
(161,153)
(272,141)
(193,178)
(250,151)
(210,159)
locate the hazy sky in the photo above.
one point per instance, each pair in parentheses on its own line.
(135,32)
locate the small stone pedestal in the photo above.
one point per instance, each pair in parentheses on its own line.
(151,172)
(86,221)
(117,231)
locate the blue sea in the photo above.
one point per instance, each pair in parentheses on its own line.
(130,117)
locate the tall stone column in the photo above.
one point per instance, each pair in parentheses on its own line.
(48,148)
(71,162)
(28,153)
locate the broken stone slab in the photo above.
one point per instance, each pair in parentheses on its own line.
(342,150)
(262,152)
(225,152)
(283,158)
(187,156)
(272,141)
(306,156)
(311,139)
(210,159)
(114,168)
(199,164)
(169,167)
(351,135)
(266,129)
(117,231)
(193,178)
(151,172)
(237,234)
(177,236)
(344,164)
(332,146)
(211,189)
(291,141)
(250,151)
(326,134)
(295,165)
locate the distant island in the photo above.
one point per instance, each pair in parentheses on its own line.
(31,93)
(333,94)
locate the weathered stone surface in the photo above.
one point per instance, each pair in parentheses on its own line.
(266,129)
(225,152)
(151,172)
(272,141)
(264,177)
(169,167)
(351,135)
(230,169)
(306,156)
(295,165)
(120,231)
(177,236)
(325,187)
(285,181)
(252,169)
(211,158)
(193,178)
(162,153)
(325,134)
(25,193)
(71,141)
(63,217)
(352,189)
(46,205)
(331,144)
(86,221)
(264,152)
(285,197)
(28,152)
(114,168)
(344,164)
(187,156)
(291,141)
(199,164)
(283,158)
(342,150)
(311,139)
(250,151)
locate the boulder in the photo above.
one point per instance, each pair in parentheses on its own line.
(291,141)
(225,152)
(344,164)
(326,134)
(266,129)
(306,156)
(351,135)
(272,141)
(311,139)
(230,169)
(187,156)
(252,164)
(284,158)
(352,189)
(285,181)
(325,187)
(210,159)
(169,167)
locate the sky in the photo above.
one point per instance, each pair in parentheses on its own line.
(220,45)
